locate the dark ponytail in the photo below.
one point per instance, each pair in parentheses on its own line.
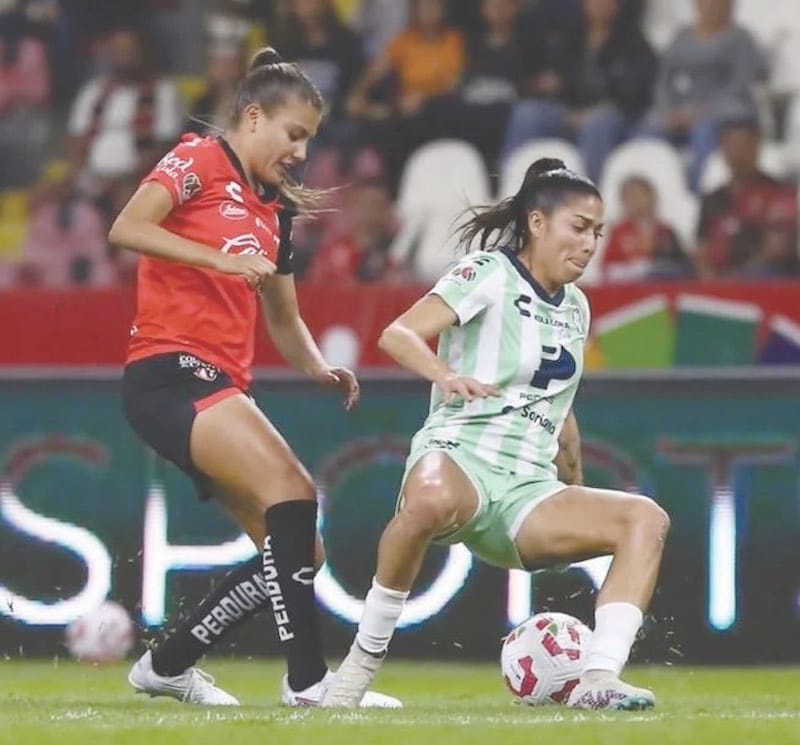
(269,82)
(548,183)
(264,57)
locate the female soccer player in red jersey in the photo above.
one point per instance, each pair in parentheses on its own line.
(213,224)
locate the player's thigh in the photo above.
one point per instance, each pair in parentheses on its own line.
(438,492)
(250,517)
(580,522)
(235,445)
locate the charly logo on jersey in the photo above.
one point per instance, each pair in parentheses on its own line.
(233,211)
(246,243)
(304,575)
(520,303)
(190,185)
(234,190)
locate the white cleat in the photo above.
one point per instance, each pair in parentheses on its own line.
(192,686)
(348,687)
(315,695)
(609,692)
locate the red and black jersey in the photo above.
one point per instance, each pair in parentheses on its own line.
(187,308)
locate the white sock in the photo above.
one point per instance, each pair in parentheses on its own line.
(382,609)
(615,627)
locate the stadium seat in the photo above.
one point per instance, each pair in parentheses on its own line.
(778,31)
(785,73)
(439,181)
(513,169)
(661,164)
(662,20)
(716,171)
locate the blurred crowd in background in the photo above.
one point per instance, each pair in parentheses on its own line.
(685,112)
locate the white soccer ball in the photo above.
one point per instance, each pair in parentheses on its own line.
(542,659)
(104,634)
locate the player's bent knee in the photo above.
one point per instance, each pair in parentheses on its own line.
(429,506)
(649,520)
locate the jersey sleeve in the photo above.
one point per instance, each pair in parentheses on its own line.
(472,285)
(184,170)
(285,260)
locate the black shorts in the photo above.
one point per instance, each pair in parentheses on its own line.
(162,394)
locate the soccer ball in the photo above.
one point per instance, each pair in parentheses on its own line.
(542,659)
(104,634)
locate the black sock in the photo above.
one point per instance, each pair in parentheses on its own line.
(289,571)
(241,595)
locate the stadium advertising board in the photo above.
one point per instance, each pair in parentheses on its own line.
(639,325)
(86,513)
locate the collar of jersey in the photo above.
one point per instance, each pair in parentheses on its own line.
(268,194)
(528,277)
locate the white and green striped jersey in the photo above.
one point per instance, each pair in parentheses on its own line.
(513,334)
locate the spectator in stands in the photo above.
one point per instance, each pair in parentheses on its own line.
(749,226)
(557,13)
(545,26)
(66,243)
(642,246)
(358,251)
(24,90)
(478,111)
(378,22)
(424,61)
(228,22)
(594,92)
(122,119)
(226,65)
(329,52)
(69,29)
(427,59)
(708,71)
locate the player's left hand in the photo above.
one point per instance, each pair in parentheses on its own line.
(341,377)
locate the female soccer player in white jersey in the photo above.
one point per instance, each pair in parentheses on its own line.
(496,465)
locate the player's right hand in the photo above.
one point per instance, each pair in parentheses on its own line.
(255,268)
(453,384)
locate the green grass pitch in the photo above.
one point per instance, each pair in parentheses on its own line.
(48,701)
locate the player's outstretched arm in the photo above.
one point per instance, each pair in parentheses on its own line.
(568,459)
(406,341)
(138,228)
